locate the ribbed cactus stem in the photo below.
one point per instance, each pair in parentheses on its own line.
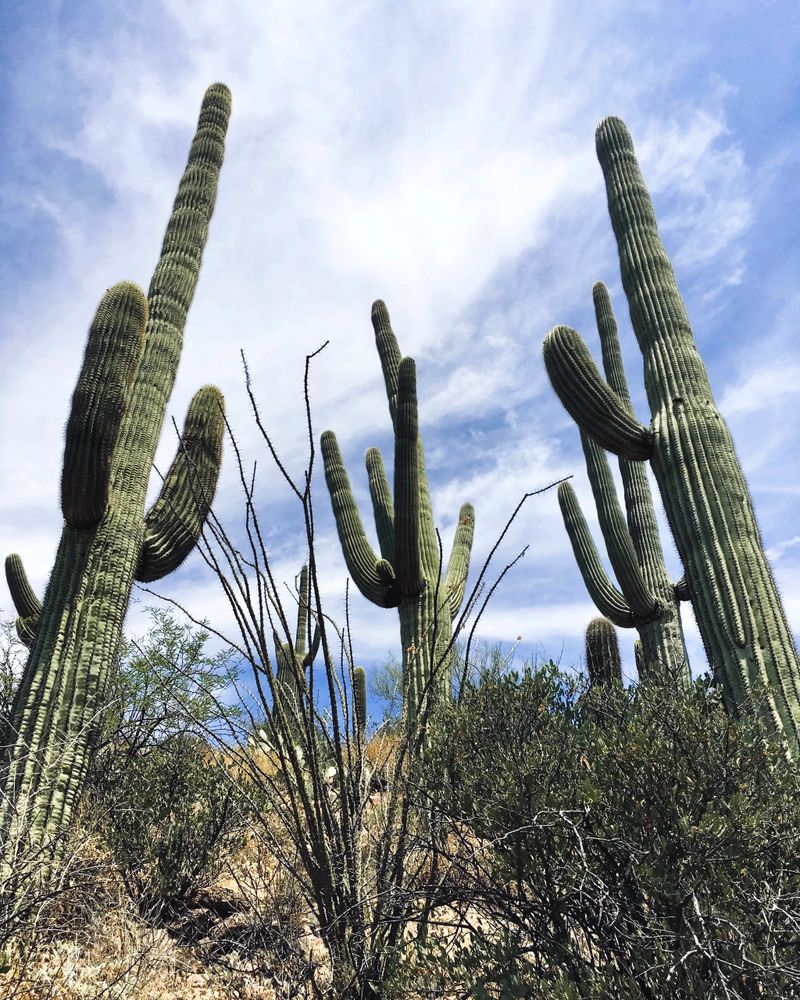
(603,661)
(27,604)
(706,499)
(408,574)
(116,418)
(360,699)
(634,548)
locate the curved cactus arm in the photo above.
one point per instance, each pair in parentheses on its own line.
(110,364)
(360,699)
(174,522)
(609,344)
(373,577)
(382,504)
(589,400)
(27,604)
(458,566)
(682,590)
(313,649)
(608,600)
(388,352)
(406,483)
(603,660)
(619,544)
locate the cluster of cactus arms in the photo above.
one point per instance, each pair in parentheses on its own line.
(707,502)
(293,661)
(646,600)
(108,540)
(603,662)
(408,573)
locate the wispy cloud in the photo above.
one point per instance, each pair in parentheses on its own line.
(437,156)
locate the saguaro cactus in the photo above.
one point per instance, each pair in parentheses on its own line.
(603,662)
(708,505)
(407,576)
(115,421)
(648,600)
(360,700)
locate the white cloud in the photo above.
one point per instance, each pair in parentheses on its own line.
(440,157)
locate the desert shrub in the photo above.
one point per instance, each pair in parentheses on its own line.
(634,843)
(165,803)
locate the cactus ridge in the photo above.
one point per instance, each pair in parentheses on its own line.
(407,575)
(706,499)
(117,412)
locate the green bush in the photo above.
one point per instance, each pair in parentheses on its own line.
(631,843)
(167,808)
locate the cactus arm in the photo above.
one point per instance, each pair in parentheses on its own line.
(372,579)
(113,352)
(301,632)
(27,604)
(682,590)
(603,661)
(643,605)
(382,504)
(174,522)
(589,400)
(360,699)
(608,600)
(458,566)
(406,484)
(313,649)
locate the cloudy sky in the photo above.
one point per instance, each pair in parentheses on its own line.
(439,156)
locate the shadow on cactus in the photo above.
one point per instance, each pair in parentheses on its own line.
(108,540)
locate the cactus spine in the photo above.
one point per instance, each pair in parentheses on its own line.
(707,502)
(407,576)
(647,600)
(603,662)
(115,421)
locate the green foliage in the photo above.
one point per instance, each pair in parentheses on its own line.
(167,808)
(638,842)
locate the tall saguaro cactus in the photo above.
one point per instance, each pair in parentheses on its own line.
(647,599)
(117,412)
(705,495)
(408,573)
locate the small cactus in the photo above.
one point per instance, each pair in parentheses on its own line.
(603,662)
(360,700)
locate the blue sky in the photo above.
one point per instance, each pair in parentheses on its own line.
(438,156)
